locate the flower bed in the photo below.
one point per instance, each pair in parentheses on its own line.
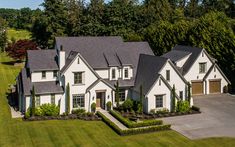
(131,124)
(133,130)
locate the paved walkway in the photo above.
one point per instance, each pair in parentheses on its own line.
(114,120)
(15,114)
(216,120)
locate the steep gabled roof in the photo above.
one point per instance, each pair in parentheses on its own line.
(176,55)
(148,71)
(195,52)
(39,60)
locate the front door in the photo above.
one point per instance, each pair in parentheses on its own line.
(100,100)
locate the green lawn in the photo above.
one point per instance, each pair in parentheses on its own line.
(18,34)
(15,132)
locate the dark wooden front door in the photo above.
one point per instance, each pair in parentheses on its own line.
(100,100)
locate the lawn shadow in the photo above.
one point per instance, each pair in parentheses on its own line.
(12,99)
(13,63)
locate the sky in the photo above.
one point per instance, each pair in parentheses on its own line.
(17,4)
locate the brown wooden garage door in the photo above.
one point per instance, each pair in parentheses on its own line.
(215,86)
(197,87)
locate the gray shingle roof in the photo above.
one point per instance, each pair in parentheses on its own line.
(148,71)
(40,87)
(195,52)
(39,60)
(102,52)
(176,55)
(121,82)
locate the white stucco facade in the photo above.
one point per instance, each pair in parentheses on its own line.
(175,79)
(37,76)
(158,89)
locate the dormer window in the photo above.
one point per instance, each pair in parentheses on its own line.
(113,74)
(43,75)
(126,73)
(55,73)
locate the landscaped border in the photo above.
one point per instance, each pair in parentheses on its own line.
(133,130)
(130,124)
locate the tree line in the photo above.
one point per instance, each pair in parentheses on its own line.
(208,24)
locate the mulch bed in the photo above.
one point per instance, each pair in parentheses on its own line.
(63,117)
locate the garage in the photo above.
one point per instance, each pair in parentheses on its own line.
(215,86)
(197,87)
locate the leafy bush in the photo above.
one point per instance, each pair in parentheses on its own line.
(130,124)
(39,112)
(28,113)
(79,111)
(109,105)
(128,104)
(134,130)
(139,108)
(49,110)
(195,108)
(183,106)
(93,107)
(162,111)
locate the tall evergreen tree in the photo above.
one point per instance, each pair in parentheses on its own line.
(67,99)
(173,99)
(33,102)
(141,98)
(117,98)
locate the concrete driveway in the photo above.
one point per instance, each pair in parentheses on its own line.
(216,120)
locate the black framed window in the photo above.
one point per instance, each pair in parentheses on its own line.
(122,95)
(168,75)
(202,67)
(159,101)
(113,74)
(37,100)
(52,98)
(43,74)
(78,101)
(78,78)
(181,95)
(55,73)
(126,72)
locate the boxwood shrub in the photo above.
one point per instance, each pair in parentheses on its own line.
(132,130)
(130,124)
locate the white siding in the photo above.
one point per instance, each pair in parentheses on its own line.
(104,73)
(213,76)
(181,62)
(37,77)
(158,90)
(78,89)
(175,79)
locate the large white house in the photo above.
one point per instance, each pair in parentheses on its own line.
(91,66)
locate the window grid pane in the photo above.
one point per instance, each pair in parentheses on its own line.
(37,101)
(78,101)
(78,78)
(113,74)
(54,73)
(159,101)
(126,73)
(122,95)
(168,75)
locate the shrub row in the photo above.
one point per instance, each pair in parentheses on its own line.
(130,124)
(133,130)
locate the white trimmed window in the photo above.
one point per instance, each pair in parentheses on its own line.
(113,74)
(55,73)
(168,75)
(202,67)
(126,74)
(43,74)
(78,101)
(37,100)
(122,95)
(53,99)
(79,78)
(159,101)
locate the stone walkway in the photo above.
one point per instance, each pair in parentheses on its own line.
(114,120)
(15,114)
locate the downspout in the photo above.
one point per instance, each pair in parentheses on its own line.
(89,101)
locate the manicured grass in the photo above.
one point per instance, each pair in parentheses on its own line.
(17,34)
(15,132)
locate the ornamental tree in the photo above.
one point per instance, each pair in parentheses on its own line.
(18,49)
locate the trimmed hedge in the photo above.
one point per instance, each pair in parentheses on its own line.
(130,124)
(133,130)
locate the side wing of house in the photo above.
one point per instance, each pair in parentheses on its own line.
(197,72)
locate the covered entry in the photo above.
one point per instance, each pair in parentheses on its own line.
(215,86)
(197,87)
(100,99)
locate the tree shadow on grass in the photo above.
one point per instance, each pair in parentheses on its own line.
(12,99)
(12,63)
